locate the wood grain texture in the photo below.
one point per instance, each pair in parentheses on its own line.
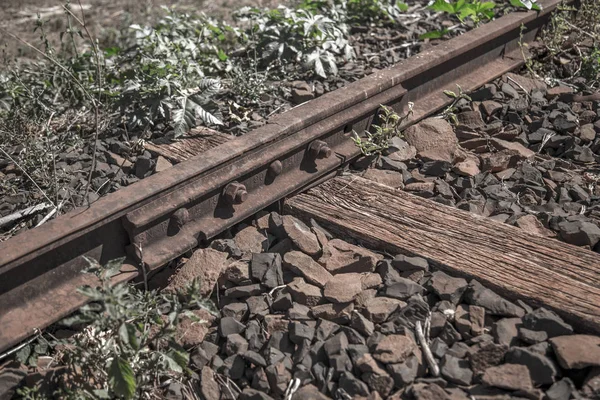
(539,270)
(197,141)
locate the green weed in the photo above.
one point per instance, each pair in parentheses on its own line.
(390,127)
(126,348)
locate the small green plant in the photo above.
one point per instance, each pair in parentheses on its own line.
(127,346)
(357,11)
(284,35)
(474,10)
(449,112)
(527,4)
(590,67)
(379,140)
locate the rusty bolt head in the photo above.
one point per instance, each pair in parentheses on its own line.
(235,193)
(180,218)
(319,149)
(275,168)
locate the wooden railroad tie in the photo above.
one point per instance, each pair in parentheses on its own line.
(541,271)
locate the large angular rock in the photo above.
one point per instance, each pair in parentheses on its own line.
(338,313)
(433,138)
(506,331)
(343,288)
(403,289)
(394,349)
(562,390)
(352,385)
(579,233)
(250,240)
(447,287)
(238,272)
(509,377)
(303,265)
(406,263)
(378,309)
(523,153)
(499,161)
(206,266)
(301,235)
(342,257)
(389,178)
(305,293)
(309,392)
(541,368)
(547,321)
(266,268)
(530,224)
(406,372)
(577,351)
(190,332)
(489,355)
(481,296)
(209,388)
(456,370)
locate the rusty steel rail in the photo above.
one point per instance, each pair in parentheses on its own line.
(163,216)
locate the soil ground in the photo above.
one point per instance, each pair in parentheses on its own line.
(19,16)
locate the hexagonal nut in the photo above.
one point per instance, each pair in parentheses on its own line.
(235,193)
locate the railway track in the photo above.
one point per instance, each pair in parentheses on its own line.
(160,218)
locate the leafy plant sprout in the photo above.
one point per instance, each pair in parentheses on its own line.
(475,11)
(449,112)
(127,347)
(390,127)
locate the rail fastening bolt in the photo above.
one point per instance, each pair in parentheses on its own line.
(275,168)
(180,217)
(235,193)
(319,149)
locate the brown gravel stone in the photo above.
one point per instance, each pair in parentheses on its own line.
(522,152)
(209,389)
(206,265)
(303,265)
(490,107)
(496,162)
(394,349)
(250,240)
(338,313)
(433,138)
(343,288)
(530,224)
(468,167)
(363,297)
(489,355)
(367,363)
(342,257)
(237,272)
(309,392)
(191,333)
(448,287)
(301,235)
(577,351)
(509,377)
(557,91)
(378,309)
(305,293)
(385,177)
(524,82)
(420,187)
(370,280)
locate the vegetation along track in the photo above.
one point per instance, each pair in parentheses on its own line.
(169,213)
